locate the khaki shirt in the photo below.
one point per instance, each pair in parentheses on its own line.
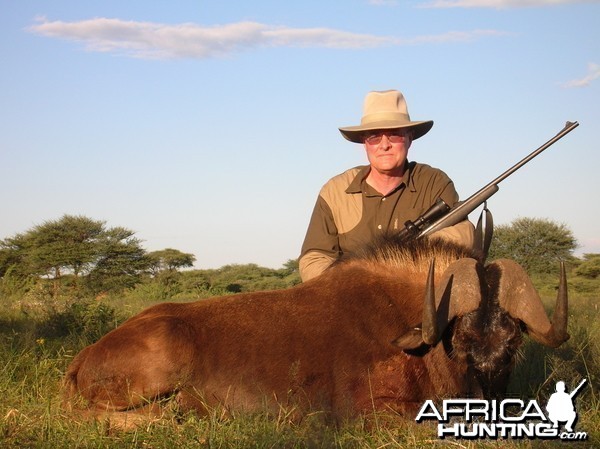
(349,213)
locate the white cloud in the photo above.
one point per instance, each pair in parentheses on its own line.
(593,74)
(500,4)
(189,40)
(452,36)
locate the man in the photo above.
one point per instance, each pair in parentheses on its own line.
(560,406)
(356,206)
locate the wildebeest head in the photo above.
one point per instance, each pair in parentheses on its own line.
(486,309)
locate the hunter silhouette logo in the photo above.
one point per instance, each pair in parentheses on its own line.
(560,406)
(507,418)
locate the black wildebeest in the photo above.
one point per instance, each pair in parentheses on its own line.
(383,331)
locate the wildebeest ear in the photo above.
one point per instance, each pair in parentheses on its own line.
(518,296)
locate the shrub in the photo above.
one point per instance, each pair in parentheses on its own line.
(590,267)
(84,320)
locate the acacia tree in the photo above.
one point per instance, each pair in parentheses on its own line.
(170,259)
(121,261)
(537,244)
(74,245)
(69,244)
(164,266)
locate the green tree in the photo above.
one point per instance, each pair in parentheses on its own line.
(291,266)
(290,272)
(72,245)
(537,244)
(120,262)
(170,259)
(164,266)
(590,267)
(237,278)
(67,244)
(12,256)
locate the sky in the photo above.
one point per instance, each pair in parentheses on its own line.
(210,127)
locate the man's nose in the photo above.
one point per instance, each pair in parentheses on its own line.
(385,142)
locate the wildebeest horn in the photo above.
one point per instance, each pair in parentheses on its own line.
(429,328)
(517,295)
(457,292)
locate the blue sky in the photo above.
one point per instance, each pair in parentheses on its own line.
(210,127)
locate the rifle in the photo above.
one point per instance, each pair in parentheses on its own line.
(440,215)
(576,390)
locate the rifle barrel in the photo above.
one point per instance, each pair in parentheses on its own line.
(464,208)
(576,390)
(570,126)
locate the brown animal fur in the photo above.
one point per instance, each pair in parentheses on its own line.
(326,344)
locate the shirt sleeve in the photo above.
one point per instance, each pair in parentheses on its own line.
(444,189)
(321,245)
(462,233)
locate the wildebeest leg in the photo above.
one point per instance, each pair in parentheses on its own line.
(222,397)
(190,399)
(129,370)
(124,420)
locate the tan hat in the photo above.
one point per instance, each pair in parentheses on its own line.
(385,110)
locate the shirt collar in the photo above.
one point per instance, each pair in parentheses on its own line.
(356,186)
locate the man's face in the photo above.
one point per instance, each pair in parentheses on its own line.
(387,150)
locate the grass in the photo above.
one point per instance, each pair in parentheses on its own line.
(37,341)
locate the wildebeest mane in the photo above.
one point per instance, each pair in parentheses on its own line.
(414,255)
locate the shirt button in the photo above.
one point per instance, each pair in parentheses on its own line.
(383,199)
(379,227)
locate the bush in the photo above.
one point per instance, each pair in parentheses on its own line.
(14,285)
(536,244)
(84,320)
(590,267)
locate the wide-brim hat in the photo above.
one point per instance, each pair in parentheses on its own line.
(385,110)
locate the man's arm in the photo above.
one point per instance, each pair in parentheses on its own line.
(321,247)
(462,233)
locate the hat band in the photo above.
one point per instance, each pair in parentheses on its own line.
(385,116)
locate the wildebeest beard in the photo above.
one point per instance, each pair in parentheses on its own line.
(488,338)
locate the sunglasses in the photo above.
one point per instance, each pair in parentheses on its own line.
(393,137)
